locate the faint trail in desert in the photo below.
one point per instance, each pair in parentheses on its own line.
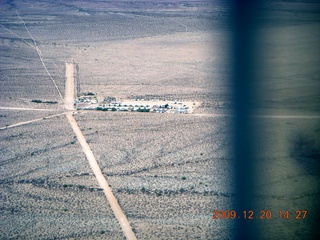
(40,57)
(34,42)
(186,27)
(69,98)
(18,37)
(31,121)
(58,67)
(29,109)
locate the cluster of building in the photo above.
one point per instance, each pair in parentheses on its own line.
(88,97)
(85,101)
(143,107)
(90,102)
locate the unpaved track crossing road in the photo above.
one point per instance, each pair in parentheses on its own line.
(68,104)
(125,225)
(69,99)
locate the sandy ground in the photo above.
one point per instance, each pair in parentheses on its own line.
(69,95)
(188,64)
(178,64)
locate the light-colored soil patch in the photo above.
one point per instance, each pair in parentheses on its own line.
(179,64)
(69,95)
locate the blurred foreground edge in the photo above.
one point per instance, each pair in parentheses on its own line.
(244,46)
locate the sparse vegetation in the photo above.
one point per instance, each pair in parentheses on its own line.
(156,171)
(147,50)
(143,157)
(41,101)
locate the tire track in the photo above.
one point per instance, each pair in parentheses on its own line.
(40,57)
(30,121)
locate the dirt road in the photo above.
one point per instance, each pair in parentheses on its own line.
(38,52)
(30,121)
(29,109)
(69,99)
(69,95)
(125,225)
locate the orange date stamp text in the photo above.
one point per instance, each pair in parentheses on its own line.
(262,214)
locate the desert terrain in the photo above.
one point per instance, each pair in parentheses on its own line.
(168,172)
(159,167)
